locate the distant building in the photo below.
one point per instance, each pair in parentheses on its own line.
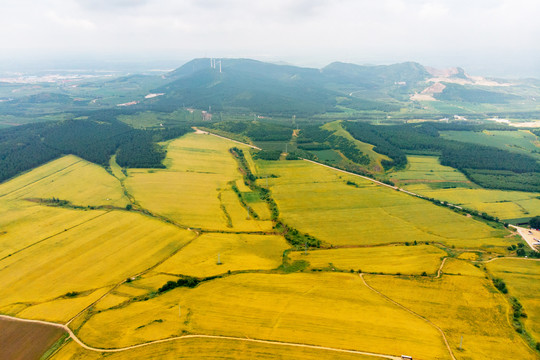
(206,116)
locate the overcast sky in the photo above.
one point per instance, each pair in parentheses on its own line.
(487,37)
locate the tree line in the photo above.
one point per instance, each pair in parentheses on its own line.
(487,166)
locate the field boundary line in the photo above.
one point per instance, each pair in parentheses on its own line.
(199,336)
(197,235)
(508,257)
(53,235)
(361,176)
(413,313)
(46,176)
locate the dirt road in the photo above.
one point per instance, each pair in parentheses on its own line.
(201,132)
(412,312)
(218,337)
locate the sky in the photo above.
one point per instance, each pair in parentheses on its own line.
(486,37)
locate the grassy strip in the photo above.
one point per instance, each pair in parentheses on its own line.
(293,236)
(238,193)
(224,209)
(517,313)
(55,347)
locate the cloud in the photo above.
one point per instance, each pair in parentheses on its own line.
(70,22)
(101,5)
(305,31)
(433,11)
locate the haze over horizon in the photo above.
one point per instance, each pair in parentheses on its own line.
(490,38)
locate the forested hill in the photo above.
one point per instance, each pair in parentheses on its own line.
(96,140)
(271,89)
(407,74)
(247,84)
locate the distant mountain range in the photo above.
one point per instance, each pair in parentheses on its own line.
(245,85)
(284,89)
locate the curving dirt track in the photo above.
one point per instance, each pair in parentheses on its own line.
(60,328)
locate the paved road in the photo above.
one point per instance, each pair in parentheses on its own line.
(529,235)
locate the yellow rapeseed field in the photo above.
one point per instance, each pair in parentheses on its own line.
(239,217)
(317,200)
(196,348)
(55,262)
(199,169)
(62,310)
(460,267)
(465,306)
(110,300)
(236,252)
(522,277)
(426,176)
(385,259)
(499,203)
(67,178)
(335,310)
(101,252)
(24,223)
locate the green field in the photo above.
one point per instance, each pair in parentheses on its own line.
(158,119)
(498,203)
(425,176)
(328,155)
(428,170)
(367,149)
(520,141)
(523,280)
(366,214)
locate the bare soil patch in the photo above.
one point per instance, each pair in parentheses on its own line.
(26,341)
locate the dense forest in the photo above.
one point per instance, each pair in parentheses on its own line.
(257,130)
(95,139)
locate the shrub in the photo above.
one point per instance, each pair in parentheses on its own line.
(500,285)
